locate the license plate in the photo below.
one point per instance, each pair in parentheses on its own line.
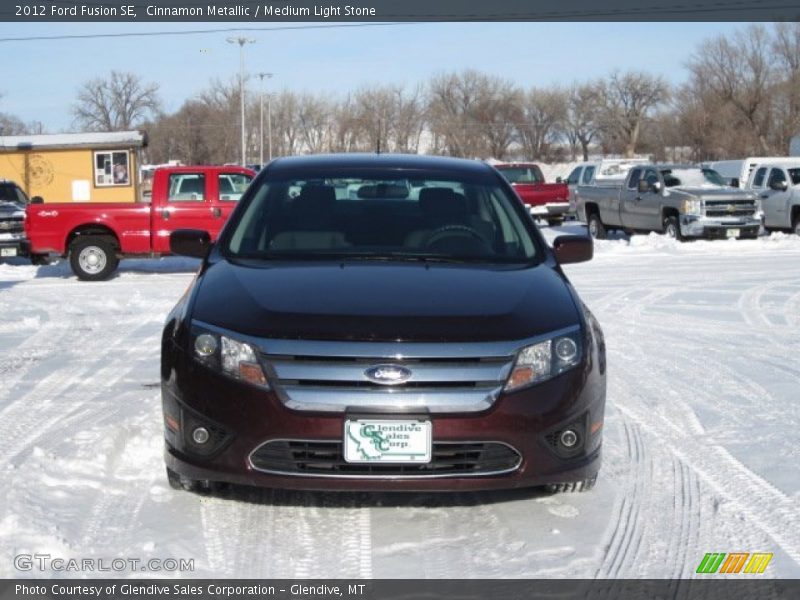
(387,441)
(732,233)
(8,251)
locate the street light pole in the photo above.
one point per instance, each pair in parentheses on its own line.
(242,41)
(269,124)
(261,76)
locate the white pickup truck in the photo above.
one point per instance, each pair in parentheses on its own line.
(777,184)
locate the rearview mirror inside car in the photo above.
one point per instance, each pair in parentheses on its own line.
(573,249)
(190,242)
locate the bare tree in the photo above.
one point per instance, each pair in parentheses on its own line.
(786,52)
(117,103)
(543,112)
(739,73)
(628,98)
(581,120)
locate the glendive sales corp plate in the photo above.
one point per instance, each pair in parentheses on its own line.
(8,251)
(732,233)
(387,441)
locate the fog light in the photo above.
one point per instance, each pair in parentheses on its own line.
(568,438)
(200,435)
(205,345)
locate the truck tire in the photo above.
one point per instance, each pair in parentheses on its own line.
(596,228)
(672,228)
(92,258)
(796,225)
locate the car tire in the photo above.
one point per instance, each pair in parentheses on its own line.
(672,228)
(93,258)
(596,228)
(573,486)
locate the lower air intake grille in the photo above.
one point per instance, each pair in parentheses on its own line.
(325,459)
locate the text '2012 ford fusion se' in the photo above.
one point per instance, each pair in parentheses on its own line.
(382,322)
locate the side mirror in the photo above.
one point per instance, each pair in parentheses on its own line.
(37,200)
(656,187)
(573,249)
(642,187)
(779,186)
(190,242)
(559,180)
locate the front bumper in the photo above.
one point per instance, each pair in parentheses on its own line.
(242,418)
(13,246)
(551,209)
(719,228)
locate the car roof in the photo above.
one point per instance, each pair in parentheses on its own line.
(357,161)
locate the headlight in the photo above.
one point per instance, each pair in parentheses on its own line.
(539,362)
(692,207)
(232,357)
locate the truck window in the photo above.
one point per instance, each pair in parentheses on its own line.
(758,180)
(794,175)
(522,174)
(574,176)
(588,175)
(650,176)
(633,182)
(232,186)
(776,176)
(187,187)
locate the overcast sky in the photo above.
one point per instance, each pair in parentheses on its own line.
(39,79)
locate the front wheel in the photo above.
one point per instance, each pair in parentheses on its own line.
(92,258)
(672,229)
(596,228)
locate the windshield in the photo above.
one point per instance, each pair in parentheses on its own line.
(381,218)
(692,177)
(522,174)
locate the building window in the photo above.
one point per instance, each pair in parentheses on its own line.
(112,168)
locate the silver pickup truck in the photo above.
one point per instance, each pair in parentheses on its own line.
(778,186)
(682,201)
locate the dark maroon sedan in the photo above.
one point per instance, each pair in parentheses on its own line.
(379,322)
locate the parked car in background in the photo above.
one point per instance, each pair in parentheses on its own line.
(96,235)
(368,341)
(609,171)
(12,220)
(547,201)
(778,187)
(683,201)
(737,172)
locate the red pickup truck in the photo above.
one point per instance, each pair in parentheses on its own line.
(549,201)
(96,235)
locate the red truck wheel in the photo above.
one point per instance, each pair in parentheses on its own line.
(93,258)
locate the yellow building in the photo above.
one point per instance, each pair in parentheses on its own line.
(74,167)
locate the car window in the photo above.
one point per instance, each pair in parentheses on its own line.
(588,174)
(633,182)
(758,179)
(522,174)
(11,193)
(574,177)
(650,176)
(794,175)
(372,217)
(776,176)
(187,187)
(232,186)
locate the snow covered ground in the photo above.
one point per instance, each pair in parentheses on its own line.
(701,442)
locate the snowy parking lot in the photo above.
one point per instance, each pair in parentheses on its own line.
(701,449)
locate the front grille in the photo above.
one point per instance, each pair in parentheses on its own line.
(730,208)
(12,226)
(325,459)
(739,212)
(441,378)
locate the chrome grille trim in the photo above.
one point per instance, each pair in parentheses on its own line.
(329,376)
(437,445)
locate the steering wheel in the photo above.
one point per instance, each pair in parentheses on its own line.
(448,231)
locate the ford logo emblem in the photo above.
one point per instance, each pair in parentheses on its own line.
(388,374)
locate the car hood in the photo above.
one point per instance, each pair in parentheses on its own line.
(385,301)
(11,209)
(712,193)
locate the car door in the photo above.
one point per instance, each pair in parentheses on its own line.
(637,208)
(226,190)
(774,200)
(187,206)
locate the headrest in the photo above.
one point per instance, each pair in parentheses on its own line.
(315,198)
(383,190)
(442,202)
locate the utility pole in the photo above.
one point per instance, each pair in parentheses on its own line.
(242,41)
(261,77)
